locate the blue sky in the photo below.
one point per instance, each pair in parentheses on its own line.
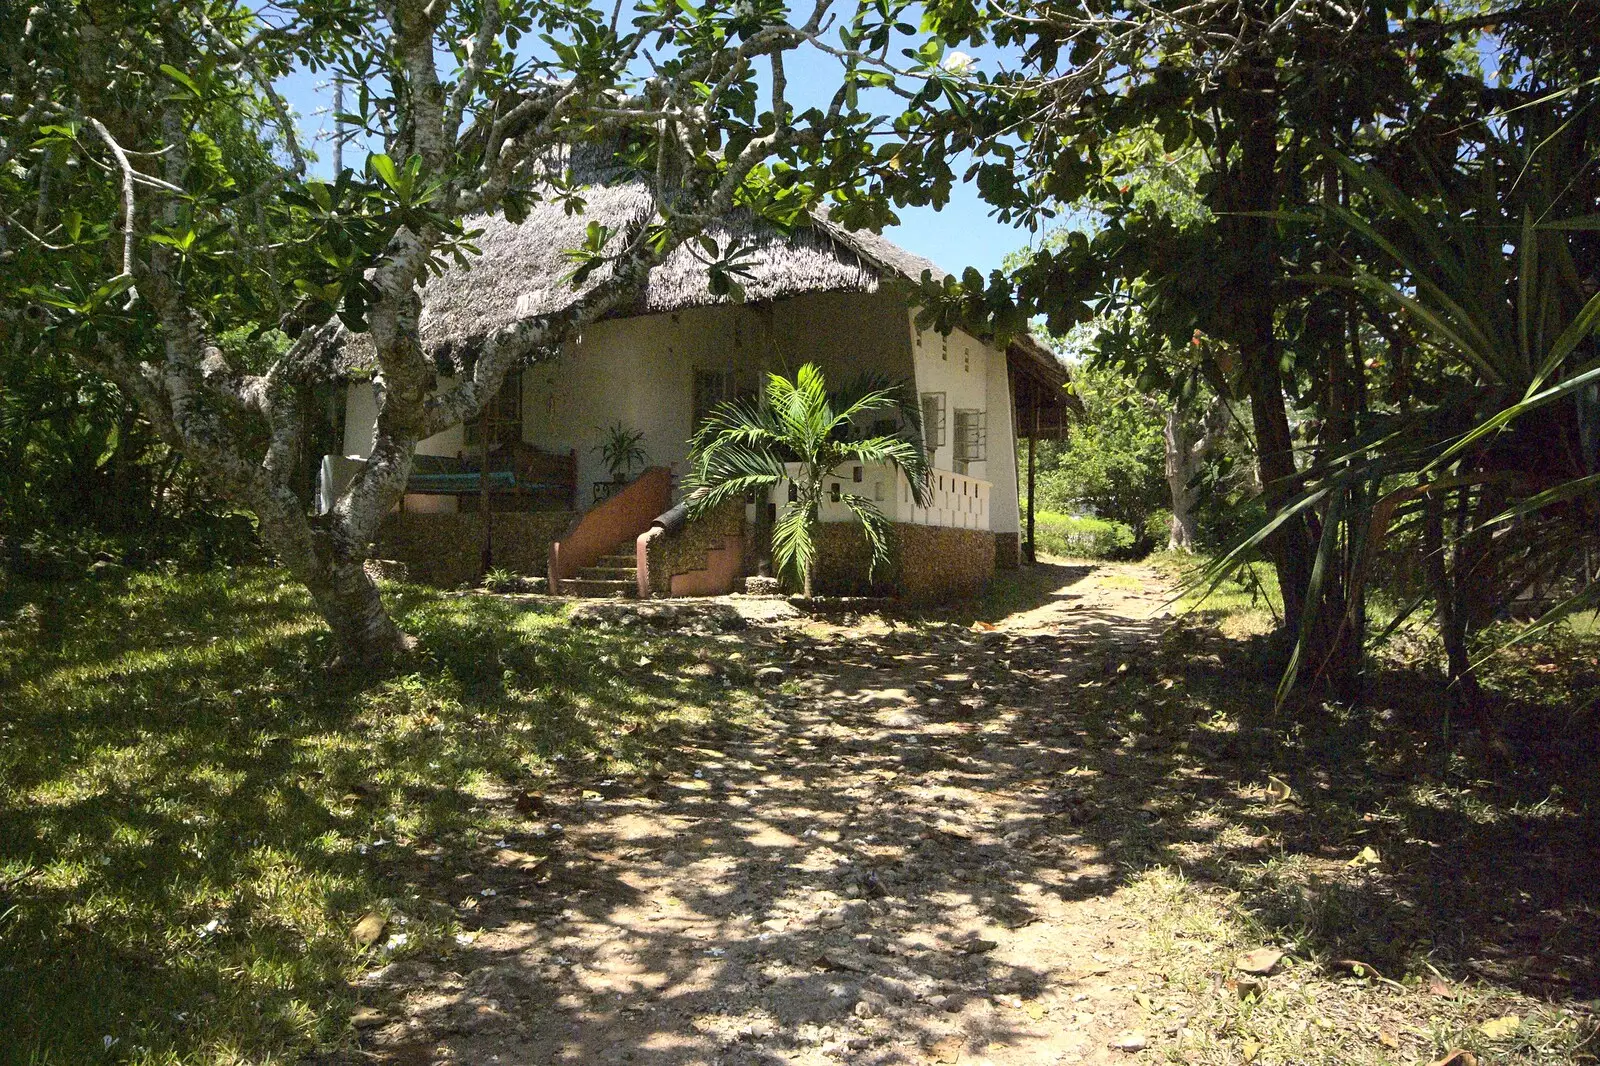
(960,235)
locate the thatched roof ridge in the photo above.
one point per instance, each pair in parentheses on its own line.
(522,268)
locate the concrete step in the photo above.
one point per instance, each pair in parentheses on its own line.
(618,561)
(617,590)
(608,573)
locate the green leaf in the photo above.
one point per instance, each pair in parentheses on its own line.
(384,168)
(182,79)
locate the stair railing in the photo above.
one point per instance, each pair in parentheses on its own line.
(611,525)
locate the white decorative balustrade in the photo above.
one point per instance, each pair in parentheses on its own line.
(958,501)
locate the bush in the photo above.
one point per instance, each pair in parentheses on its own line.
(1091,538)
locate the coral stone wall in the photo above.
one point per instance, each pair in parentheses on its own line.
(932,563)
(688,549)
(444,549)
(1007,551)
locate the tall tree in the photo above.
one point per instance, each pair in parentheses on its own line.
(1266,92)
(144,245)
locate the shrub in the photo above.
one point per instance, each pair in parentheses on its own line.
(1084,537)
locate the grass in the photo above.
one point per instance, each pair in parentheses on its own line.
(192,819)
(1420,893)
(1247,603)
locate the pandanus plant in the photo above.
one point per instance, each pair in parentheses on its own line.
(747,446)
(1496,476)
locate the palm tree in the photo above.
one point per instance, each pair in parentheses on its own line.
(744,447)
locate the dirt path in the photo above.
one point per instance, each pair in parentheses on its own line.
(887,870)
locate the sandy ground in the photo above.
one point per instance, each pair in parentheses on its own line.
(885,870)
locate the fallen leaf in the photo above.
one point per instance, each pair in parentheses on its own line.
(1278,790)
(1130,1041)
(1388,1039)
(984,627)
(1036,1010)
(1260,961)
(1357,967)
(1502,1027)
(946,1050)
(1440,988)
(834,962)
(1250,1050)
(1457,1057)
(1367,856)
(369,929)
(978,946)
(366,1017)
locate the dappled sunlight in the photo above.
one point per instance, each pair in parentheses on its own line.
(916,840)
(192,815)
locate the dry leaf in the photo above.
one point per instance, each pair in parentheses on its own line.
(1456,1058)
(1250,1050)
(366,1017)
(1278,790)
(978,946)
(1440,988)
(1130,1041)
(370,928)
(1502,1027)
(1357,967)
(984,627)
(1036,1010)
(1388,1039)
(1367,856)
(946,1050)
(1260,961)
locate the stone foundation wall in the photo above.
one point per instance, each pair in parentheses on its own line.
(1007,551)
(445,549)
(688,549)
(932,563)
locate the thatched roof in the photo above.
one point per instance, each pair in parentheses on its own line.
(522,268)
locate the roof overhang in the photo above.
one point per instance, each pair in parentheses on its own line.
(1039,396)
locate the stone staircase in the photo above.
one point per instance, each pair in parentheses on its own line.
(612,577)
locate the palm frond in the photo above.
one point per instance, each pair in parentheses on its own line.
(794,547)
(875,524)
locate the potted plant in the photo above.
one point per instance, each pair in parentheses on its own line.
(621,452)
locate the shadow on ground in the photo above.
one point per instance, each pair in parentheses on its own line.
(920,855)
(892,842)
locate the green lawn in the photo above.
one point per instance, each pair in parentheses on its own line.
(192,818)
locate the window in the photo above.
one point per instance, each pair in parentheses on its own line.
(971,438)
(712,387)
(503,416)
(932,422)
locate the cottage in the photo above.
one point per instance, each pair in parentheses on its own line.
(531,477)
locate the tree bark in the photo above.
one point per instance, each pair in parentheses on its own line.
(1252,310)
(1183,459)
(1450,602)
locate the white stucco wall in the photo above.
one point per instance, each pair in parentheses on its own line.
(1004,509)
(973,376)
(361,422)
(640,371)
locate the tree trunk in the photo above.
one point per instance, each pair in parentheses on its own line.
(1180,469)
(1252,310)
(1449,598)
